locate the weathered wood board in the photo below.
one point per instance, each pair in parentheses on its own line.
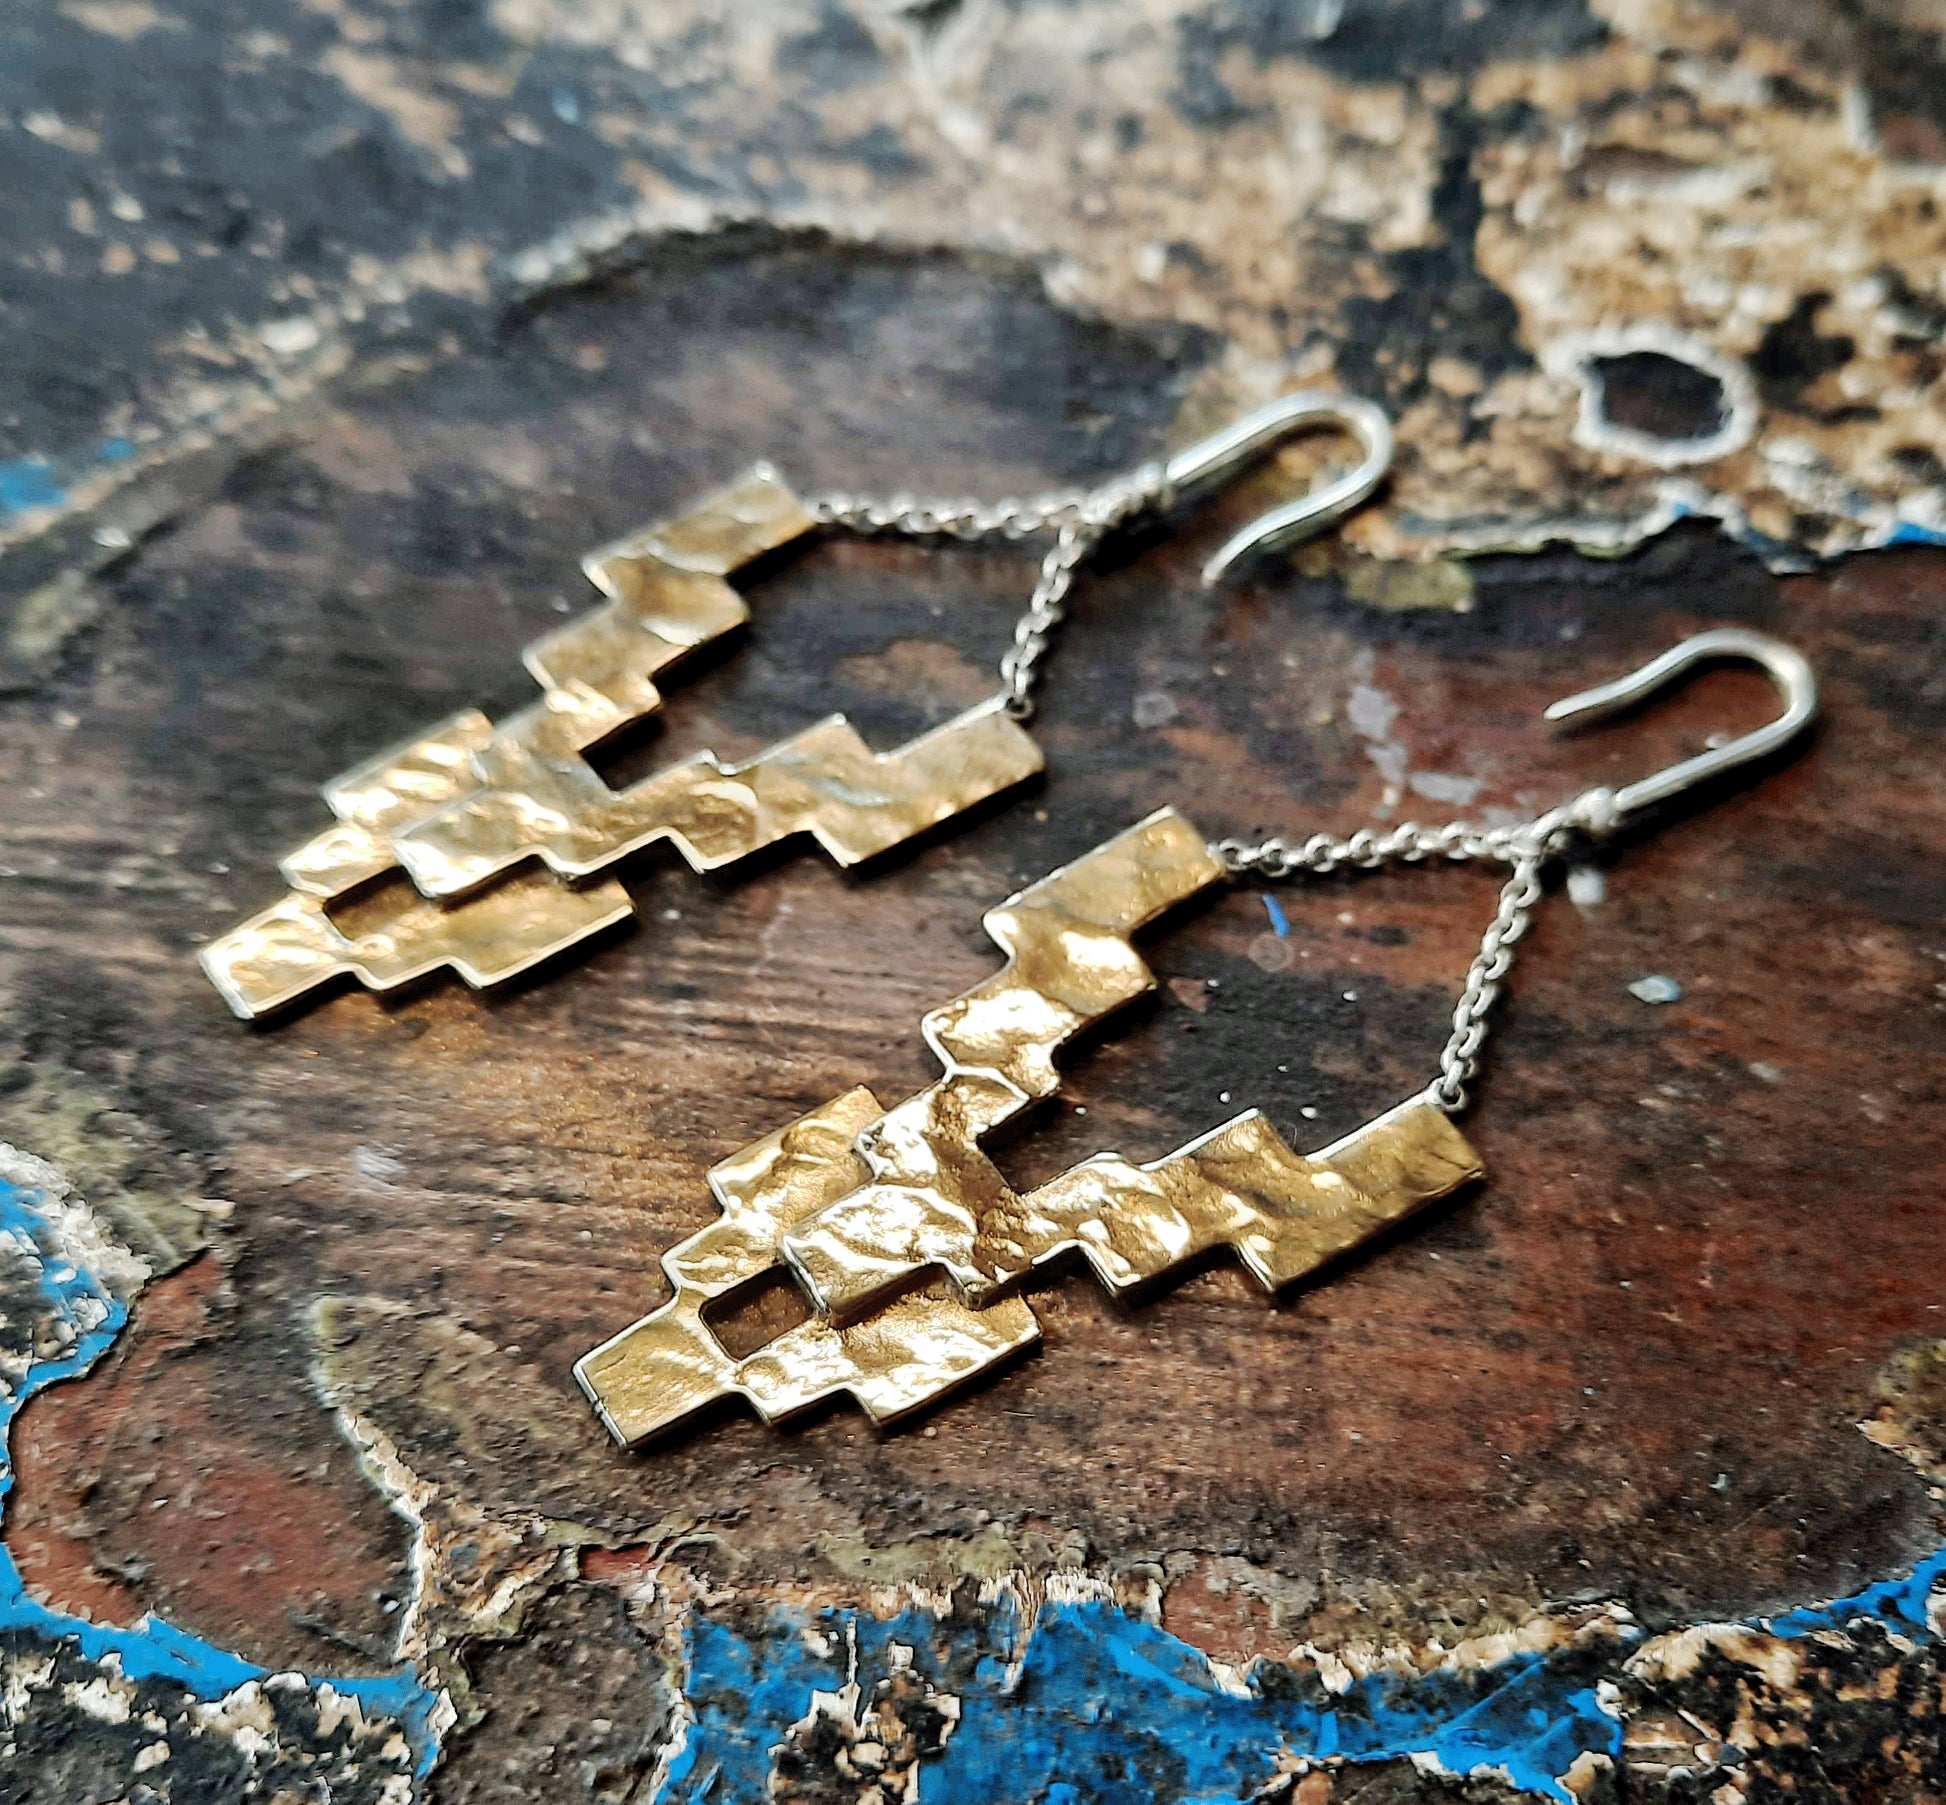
(1470,1497)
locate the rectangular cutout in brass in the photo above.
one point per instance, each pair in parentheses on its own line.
(668,1366)
(468,809)
(860,1203)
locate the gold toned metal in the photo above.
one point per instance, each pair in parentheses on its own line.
(670,1365)
(857,1202)
(1283,1214)
(856,803)
(934,1200)
(1070,963)
(466,803)
(292,947)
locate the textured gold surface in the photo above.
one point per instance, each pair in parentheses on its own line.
(1070,963)
(858,1203)
(463,805)
(669,1365)
(934,1199)
(1283,1214)
(856,803)
(292,947)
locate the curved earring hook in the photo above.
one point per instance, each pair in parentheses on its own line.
(1222,455)
(1784,665)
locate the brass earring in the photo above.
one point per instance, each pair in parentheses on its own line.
(860,1204)
(510,838)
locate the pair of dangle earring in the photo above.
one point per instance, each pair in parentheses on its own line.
(910,1244)
(510,838)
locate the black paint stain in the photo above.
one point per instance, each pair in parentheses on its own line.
(1375,40)
(1793,354)
(1440,302)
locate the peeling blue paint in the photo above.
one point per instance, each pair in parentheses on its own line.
(1280,923)
(1899,1604)
(1909,532)
(28,485)
(1095,1706)
(151,1648)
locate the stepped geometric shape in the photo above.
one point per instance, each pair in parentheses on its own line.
(934,1199)
(825,781)
(858,1203)
(1239,1186)
(469,801)
(669,1365)
(1070,963)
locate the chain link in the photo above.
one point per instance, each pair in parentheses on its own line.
(1527,847)
(1079,518)
(1459,1059)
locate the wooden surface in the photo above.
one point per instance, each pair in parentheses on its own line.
(1630,1367)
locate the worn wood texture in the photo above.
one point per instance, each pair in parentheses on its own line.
(1628,1368)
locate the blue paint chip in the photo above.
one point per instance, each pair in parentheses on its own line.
(29,483)
(1093,1706)
(116,451)
(1103,1708)
(1280,923)
(1899,1604)
(1909,532)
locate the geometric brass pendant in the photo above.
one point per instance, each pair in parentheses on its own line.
(936,1200)
(498,826)
(861,1206)
(670,1365)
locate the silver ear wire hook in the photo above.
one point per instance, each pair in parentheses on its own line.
(1215,460)
(1782,664)
(1527,847)
(1080,519)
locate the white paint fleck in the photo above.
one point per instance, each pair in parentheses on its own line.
(1444,786)
(290,338)
(1371,712)
(1587,886)
(105,1698)
(377,1165)
(1657,987)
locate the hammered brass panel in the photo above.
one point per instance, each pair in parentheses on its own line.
(666,1367)
(1070,964)
(293,947)
(1282,1214)
(934,1199)
(460,807)
(860,1203)
(825,781)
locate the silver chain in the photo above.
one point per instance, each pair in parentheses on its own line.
(1526,847)
(1459,1059)
(1079,519)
